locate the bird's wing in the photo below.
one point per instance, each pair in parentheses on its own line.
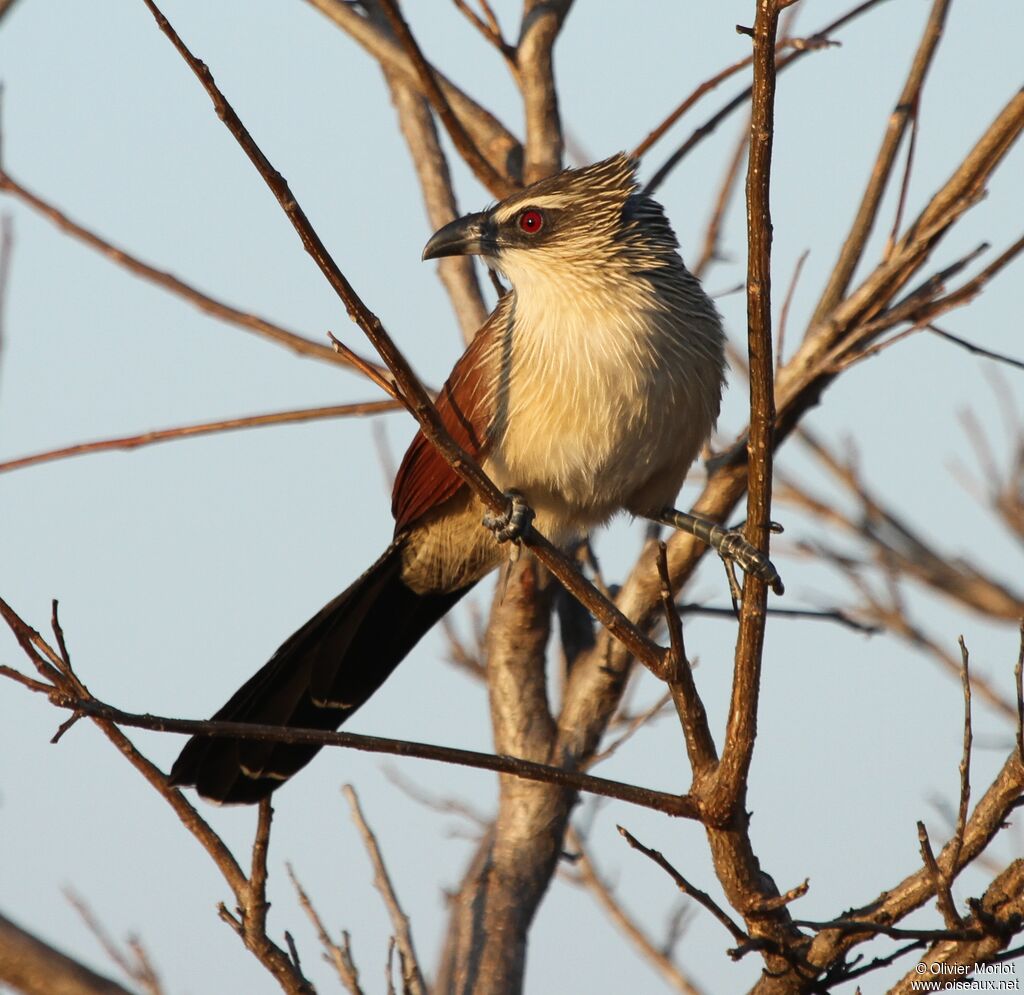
(466,406)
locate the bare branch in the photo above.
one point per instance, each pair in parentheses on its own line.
(499,145)
(837,615)
(57,668)
(864,222)
(965,764)
(590,878)
(135,964)
(489,27)
(700,744)
(542,21)
(908,167)
(896,902)
(701,897)
(495,181)
(940,882)
(35,968)
(709,252)
(416,120)
(340,955)
(976,349)
(203,428)
(6,251)
(786,303)
(411,977)
(997,917)
(106,715)
(897,546)
(814,43)
(1018,674)
(741,728)
(267,329)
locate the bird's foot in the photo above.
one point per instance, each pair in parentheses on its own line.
(513,522)
(731,545)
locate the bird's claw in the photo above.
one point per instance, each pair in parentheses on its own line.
(512,523)
(733,547)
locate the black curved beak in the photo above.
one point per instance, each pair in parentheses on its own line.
(468,236)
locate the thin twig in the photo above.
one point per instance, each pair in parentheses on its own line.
(491,30)
(499,186)
(590,878)
(815,614)
(267,329)
(999,357)
(203,428)
(700,744)
(786,303)
(702,897)
(699,91)
(634,724)
(677,652)
(1018,674)
(6,252)
(383,380)
(817,41)
(965,766)
(783,63)
(255,909)
(340,955)
(908,166)
(138,968)
(867,926)
(940,882)
(770,904)
(412,978)
(842,972)
(436,803)
(709,252)
(863,223)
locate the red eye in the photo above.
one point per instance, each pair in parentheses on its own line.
(531,221)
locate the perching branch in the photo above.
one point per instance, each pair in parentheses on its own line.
(419,403)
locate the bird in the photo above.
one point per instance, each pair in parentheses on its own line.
(589,390)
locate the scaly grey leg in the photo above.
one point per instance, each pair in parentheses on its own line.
(728,543)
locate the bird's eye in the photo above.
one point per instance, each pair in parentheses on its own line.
(531,221)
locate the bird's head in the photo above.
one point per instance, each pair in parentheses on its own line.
(580,219)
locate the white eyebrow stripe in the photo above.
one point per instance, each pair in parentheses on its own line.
(548,200)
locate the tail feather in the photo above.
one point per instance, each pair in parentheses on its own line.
(318,678)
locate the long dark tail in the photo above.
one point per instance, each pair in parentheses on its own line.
(316,680)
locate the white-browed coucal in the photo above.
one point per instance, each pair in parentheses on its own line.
(589,390)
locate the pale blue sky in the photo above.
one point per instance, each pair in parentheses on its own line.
(181,567)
